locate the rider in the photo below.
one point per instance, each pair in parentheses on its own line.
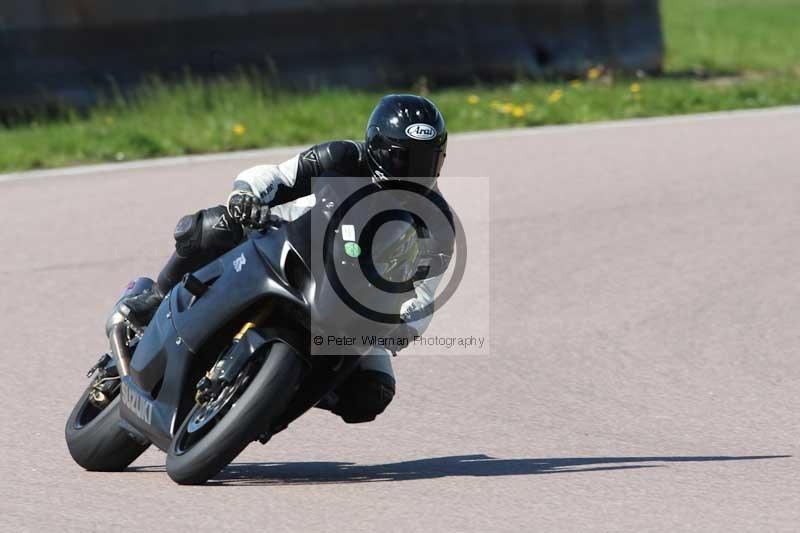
(405,137)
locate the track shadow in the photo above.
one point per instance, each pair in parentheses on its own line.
(479,465)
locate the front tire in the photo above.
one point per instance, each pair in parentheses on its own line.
(95,439)
(192,460)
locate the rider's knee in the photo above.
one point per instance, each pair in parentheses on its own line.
(208,232)
(365,395)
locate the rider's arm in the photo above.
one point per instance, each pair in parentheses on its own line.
(437,255)
(424,300)
(264,181)
(278,184)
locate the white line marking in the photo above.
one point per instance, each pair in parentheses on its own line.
(468,136)
(632,123)
(147,163)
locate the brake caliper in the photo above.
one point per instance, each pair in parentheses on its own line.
(225,370)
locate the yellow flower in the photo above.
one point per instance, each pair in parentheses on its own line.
(575,84)
(594,73)
(506,108)
(555,96)
(238,129)
(518,111)
(109,120)
(473,99)
(636,88)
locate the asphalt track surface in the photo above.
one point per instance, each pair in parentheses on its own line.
(643,372)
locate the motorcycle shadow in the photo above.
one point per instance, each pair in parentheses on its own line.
(478,465)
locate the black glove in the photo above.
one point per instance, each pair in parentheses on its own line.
(246,209)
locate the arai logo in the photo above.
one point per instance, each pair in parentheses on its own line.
(421,132)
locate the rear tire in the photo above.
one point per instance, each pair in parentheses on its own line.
(95,439)
(264,398)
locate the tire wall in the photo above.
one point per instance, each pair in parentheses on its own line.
(70,49)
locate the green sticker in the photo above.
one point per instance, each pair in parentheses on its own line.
(352,249)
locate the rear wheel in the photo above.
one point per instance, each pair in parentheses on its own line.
(216,431)
(95,439)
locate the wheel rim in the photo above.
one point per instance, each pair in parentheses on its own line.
(89,412)
(205,413)
(205,417)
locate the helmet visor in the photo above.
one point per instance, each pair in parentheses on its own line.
(401,162)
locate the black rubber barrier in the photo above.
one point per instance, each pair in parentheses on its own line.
(70,49)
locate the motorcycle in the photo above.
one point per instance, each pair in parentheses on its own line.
(227,358)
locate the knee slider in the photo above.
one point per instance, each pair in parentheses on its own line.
(365,395)
(208,232)
(188,235)
(219,232)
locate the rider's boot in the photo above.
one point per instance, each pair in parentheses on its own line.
(140,308)
(199,239)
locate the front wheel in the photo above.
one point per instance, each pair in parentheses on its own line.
(216,431)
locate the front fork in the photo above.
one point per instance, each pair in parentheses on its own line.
(225,369)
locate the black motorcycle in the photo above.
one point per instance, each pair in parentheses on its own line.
(228,357)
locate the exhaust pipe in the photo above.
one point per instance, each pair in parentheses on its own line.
(117,325)
(117,331)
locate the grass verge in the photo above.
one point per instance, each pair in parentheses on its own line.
(721,55)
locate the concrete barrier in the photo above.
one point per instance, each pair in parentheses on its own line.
(70,49)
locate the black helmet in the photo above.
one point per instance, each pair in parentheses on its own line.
(406,137)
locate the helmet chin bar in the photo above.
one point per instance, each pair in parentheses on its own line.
(381,178)
(376,172)
(378,175)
